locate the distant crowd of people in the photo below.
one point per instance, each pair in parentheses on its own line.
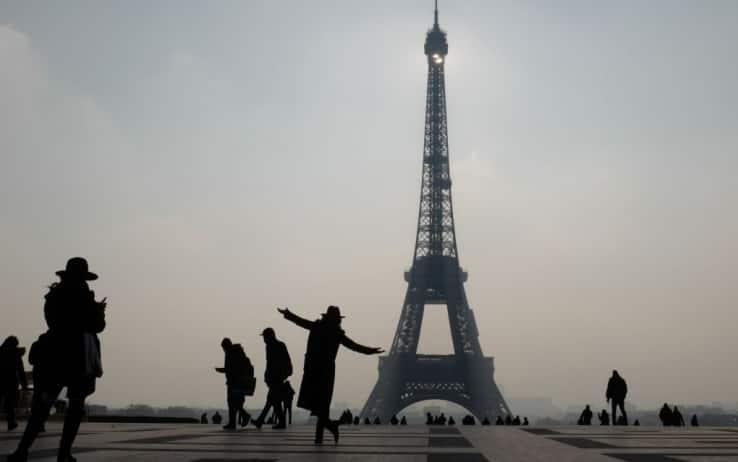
(617,389)
(68,356)
(510,420)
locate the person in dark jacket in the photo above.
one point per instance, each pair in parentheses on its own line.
(316,389)
(604,417)
(617,389)
(278,370)
(666,415)
(68,356)
(238,371)
(586,417)
(677,419)
(12,374)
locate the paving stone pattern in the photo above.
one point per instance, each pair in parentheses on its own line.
(208,443)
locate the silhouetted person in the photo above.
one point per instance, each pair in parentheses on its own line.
(486,421)
(525,422)
(586,417)
(377,421)
(12,374)
(403,421)
(604,417)
(468,420)
(69,356)
(499,420)
(637,423)
(677,419)
(288,395)
(442,419)
(278,369)
(516,420)
(666,415)
(357,420)
(239,379)
(204,418)
(394,420)
(617,389)
(429,419)
(316,389)
(35,357)
(367,421)
(451,421)
(694,422)
(217,418)
(508,420)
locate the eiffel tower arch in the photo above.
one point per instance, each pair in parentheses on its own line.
(465,377)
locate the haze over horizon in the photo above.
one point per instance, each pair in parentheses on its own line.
(216,161)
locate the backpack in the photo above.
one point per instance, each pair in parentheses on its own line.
(40,350)
(246,378)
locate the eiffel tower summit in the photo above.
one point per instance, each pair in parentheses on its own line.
(434,281)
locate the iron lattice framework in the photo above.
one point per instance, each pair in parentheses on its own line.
(436,278)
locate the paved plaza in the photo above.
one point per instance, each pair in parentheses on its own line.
(207,443)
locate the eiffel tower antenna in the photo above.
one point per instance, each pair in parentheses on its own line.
(436,281)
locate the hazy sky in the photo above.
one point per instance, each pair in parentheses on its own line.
(215,160)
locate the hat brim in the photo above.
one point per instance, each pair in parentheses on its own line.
(88,276)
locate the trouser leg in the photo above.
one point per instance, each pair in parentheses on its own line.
(72,421)
(621,404)
(264,412)
(275,400)
(319,427)
(235,404)
(39,413)
(614,413)
(10,402)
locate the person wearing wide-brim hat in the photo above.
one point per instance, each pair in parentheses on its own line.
(316,389)
(77,268)
(66,356)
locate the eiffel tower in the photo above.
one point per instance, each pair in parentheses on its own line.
(435,278)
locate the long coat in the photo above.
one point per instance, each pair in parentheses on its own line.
(71,312)
(319,373)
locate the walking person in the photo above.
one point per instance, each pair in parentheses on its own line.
(67,356)
(239,382)
(278,370)
(316,389)
(12,374)
(666,415)
(617,389)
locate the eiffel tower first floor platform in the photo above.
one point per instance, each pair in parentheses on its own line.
(466,380)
